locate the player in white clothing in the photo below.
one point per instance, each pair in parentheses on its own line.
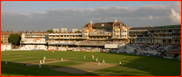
(40,65)
(6,62)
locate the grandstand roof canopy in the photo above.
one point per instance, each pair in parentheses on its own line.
(156,27)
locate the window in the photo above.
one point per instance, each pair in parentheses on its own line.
(169,41)
(157,31)
(169,30)
(102,24)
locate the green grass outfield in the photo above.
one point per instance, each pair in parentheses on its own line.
(132,65)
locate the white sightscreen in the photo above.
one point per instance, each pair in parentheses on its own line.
(111,45)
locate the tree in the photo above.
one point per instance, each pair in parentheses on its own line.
(78,31)
(14,39)
(50,31)
(1,41)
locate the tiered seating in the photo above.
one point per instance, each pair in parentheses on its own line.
(89,42)
(5,47)
(100,42)
(153,49)
(41,47)
(62,48)
(97,49)
(62,41)
(28,47)
(34,40)
(52,47)
(2,49)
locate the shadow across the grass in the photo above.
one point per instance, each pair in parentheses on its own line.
(152,65)
(18,69)
(131,65)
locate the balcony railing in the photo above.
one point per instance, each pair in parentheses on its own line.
(138,33)
(89,44)
(35,36)
(119,38)
(32,42)
(168,32)
(154,37)
(164,37)
(68,37)
(99,39)
(176,32)
(176,37)
(132,37)
(141,37)
(162,33)
(107,34)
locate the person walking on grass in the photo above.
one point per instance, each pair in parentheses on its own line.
(40,62)
(120,63)
(44,57)
(103,61)
(24,63)
(40,65)
(6,62)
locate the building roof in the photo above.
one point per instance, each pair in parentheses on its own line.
(106,24)
(86,25)
(156,27)
(118,24)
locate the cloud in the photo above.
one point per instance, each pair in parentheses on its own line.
(150,17)
(156,15)
(177,7)
(174,16)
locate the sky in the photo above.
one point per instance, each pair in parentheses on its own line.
(45,15)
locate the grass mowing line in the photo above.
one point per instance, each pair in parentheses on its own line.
(134,65)
(10,56)
(38,61)
(12,69)
(15,58)
(121,71)
(32,64)
(54,62)
(22,60)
